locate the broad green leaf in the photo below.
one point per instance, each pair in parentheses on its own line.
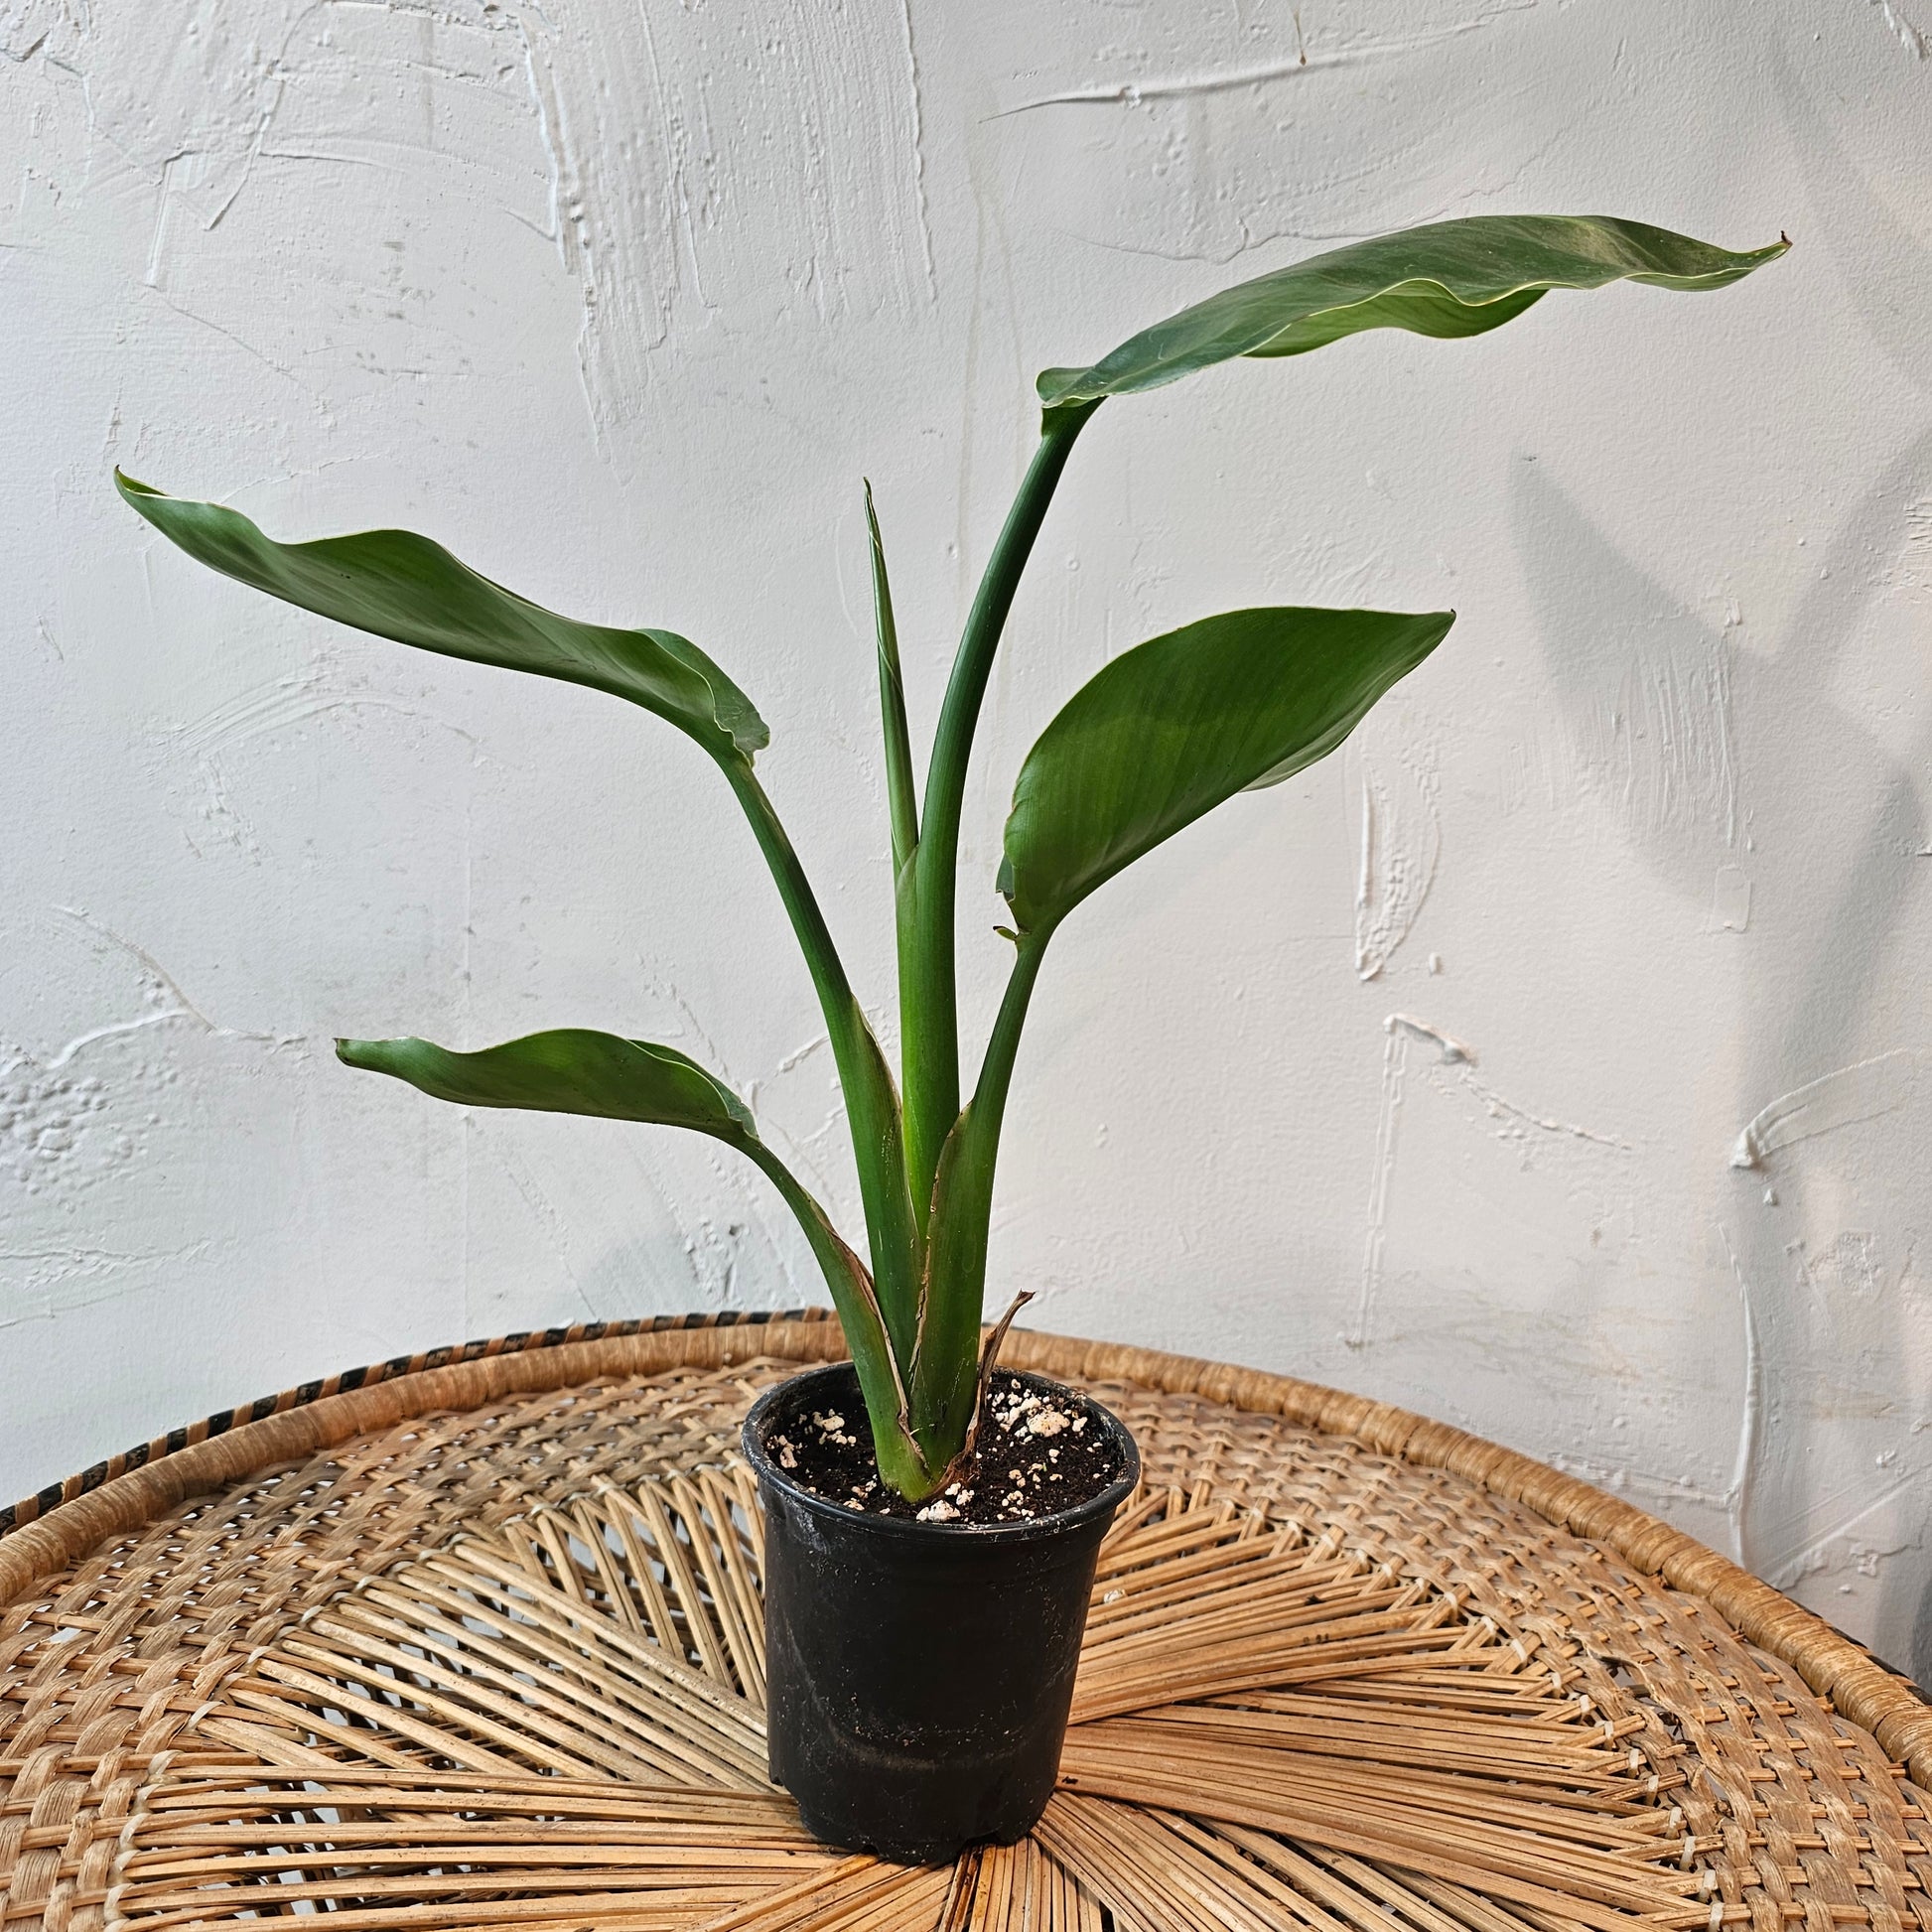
(1450,279)
(573,1070)
(1173,727)
(570,1070)
(398,584)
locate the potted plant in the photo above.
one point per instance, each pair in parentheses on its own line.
(932,1531)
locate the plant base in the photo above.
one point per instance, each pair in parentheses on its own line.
(918,1675)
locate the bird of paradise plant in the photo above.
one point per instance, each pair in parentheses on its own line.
(1164,733)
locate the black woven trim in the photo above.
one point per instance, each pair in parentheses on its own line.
(18,1515)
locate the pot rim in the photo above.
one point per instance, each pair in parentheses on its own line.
(1035,1529)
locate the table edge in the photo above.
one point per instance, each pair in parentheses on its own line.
(46,1532)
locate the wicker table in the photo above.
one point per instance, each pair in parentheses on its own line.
(474,1640)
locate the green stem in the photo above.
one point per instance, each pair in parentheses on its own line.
(872,1107)
(1002,1044)
(929,993)
(879,1380)
(946,1368)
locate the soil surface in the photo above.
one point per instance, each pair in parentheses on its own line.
(1037,1454)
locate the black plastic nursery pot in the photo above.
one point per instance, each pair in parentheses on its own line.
(918,1675)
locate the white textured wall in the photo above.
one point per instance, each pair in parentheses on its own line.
(619,298)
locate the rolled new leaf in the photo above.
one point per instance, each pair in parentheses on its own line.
(1173,727)
(574,1070)
(397,585)
(900,794)
(1449,279)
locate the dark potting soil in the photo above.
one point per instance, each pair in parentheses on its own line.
(1037,1454)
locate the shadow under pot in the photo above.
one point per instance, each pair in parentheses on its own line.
(919,1674)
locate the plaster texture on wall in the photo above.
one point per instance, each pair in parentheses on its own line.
(1555,1060)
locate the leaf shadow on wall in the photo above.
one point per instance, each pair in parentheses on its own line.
(1711,757)
(1884,274)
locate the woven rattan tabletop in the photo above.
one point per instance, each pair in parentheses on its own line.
(474,1640)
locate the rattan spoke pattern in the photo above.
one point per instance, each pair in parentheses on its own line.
(502,1667)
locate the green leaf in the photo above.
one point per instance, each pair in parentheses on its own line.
(398,584)
(573,1070)
(1173,727)
(1450,279)
(570,1070)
